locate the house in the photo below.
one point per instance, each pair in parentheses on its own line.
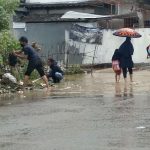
(42,22)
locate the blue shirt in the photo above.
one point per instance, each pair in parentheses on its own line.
(32,55)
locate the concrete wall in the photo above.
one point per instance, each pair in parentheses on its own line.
(127,8)
(50,35)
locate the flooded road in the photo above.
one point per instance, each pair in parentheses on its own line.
(83,113)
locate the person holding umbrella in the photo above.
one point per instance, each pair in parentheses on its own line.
(126,51)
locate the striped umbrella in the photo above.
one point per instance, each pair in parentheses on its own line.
(127,32)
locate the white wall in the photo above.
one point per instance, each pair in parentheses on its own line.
(110,43)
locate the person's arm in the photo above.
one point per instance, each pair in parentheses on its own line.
(17,52)
(20,54)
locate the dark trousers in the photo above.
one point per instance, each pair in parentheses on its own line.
(55,78)
(124,70)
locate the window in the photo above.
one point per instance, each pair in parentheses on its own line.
(131,22)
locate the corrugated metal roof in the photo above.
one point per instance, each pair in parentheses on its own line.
(78,15)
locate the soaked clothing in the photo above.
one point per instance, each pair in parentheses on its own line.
(124,70)
(35,61)
(56,73)
(126,51)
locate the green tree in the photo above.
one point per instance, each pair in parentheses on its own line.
(7,44)
(4,19)
(7,41)
(9,5)
(7,8)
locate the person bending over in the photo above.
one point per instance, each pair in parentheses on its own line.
(34,60)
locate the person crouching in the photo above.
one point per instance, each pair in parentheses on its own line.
(55,71)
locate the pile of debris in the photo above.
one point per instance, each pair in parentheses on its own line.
(8,84)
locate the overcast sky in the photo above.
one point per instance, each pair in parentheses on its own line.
(54,1)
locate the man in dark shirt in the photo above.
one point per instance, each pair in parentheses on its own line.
(33,58)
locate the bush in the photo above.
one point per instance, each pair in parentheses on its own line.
(7,44)
(74,69)
(7,8)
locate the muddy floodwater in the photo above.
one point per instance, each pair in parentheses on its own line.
(84,112)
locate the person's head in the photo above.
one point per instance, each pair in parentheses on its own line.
(23,41)
(51,61)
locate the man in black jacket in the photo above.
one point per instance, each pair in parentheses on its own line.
(55,73)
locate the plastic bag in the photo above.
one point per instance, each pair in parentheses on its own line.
(10,77)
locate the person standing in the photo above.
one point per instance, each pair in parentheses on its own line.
(116,65)
(126,51)
(34,61)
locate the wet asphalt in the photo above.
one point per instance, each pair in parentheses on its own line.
(84,112)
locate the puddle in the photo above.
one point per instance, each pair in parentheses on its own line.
(99,84)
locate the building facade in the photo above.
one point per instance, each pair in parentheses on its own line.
(42,22)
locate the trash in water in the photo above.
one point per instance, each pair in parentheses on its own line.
(20,92)
(67,88)
(141,127)
(20,83)
(10,77)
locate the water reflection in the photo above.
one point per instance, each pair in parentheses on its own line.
(127,91)
(118,90)
(76,86)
